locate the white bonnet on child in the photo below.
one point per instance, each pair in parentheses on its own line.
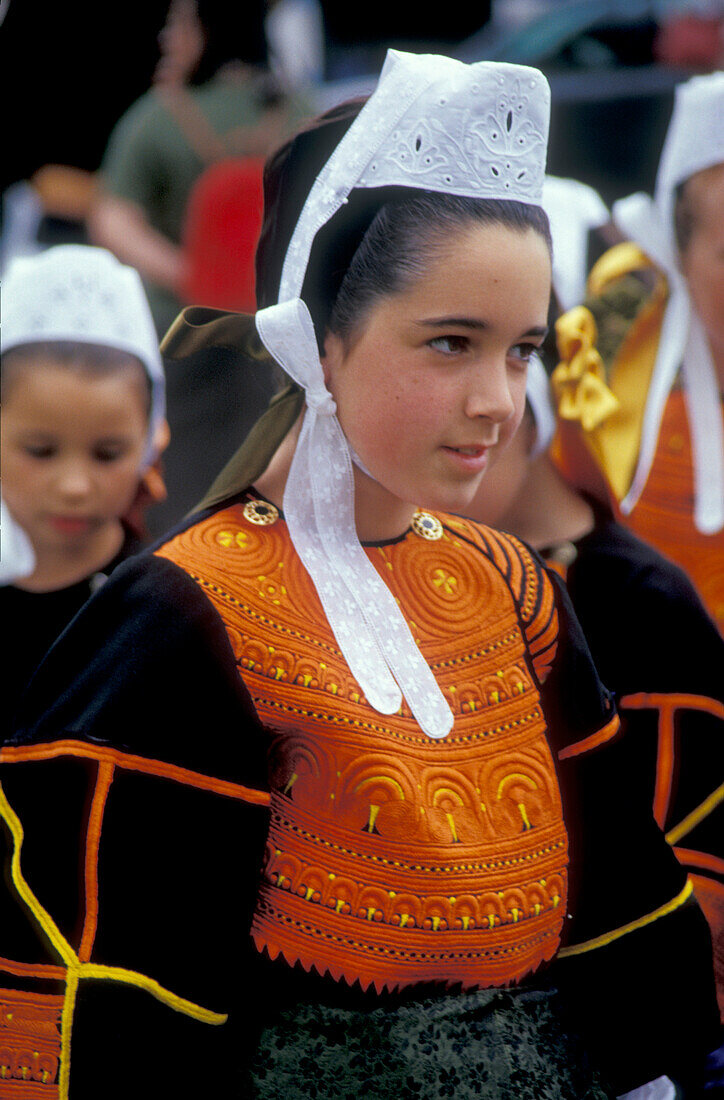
(80,293)
(694,141)
(436,124)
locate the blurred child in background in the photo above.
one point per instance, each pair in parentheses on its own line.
(83,421)
(653,643)
(654,445)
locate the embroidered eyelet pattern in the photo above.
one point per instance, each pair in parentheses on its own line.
(261,512)
(393,857)
(463,129)
(426,526)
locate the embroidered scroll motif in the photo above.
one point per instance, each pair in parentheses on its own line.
(29,1045)
(394,858)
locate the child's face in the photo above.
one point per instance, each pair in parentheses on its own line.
(433,387)
(72,446)
(703,261)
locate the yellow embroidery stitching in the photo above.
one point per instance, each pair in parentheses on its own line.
(691,820)
(617,933)
(77,970)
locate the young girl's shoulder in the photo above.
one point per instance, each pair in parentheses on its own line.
(516,571)
(519,566)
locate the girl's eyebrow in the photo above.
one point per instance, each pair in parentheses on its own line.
(474,323)
(461,322)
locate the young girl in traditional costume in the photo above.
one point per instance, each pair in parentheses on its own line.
(83,425)
(326,755)
(652,442)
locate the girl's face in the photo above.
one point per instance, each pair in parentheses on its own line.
(703,261)
(432,387)
(72,446)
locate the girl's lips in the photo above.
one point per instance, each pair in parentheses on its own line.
(70,525)
(473,458)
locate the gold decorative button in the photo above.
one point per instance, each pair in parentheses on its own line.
(426,526)
(261,512)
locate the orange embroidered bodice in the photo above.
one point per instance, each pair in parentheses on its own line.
(393,858)
(663,515)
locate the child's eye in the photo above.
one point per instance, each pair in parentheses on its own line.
(40,450)
(449,345)
(109,454)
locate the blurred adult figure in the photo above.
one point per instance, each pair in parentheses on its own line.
(212,97)
(212,100)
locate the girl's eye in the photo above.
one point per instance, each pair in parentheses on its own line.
(449,345)
(524,352)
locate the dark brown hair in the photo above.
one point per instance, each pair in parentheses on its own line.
(93,360)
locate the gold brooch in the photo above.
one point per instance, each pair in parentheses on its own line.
(261,512)
(426,526)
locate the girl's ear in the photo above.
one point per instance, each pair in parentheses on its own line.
(333,355)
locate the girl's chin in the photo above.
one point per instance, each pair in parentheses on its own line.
(459,503)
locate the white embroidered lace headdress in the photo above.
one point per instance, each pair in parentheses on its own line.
(83,294)
(694,141)
(434,123)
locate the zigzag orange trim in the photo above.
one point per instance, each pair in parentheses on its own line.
(48,751)
(606,733)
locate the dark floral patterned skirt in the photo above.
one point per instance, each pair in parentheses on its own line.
(508,1044)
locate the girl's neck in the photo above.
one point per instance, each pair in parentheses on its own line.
(61,568)
(378,517)
(548,510)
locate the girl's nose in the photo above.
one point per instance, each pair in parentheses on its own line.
(491,392)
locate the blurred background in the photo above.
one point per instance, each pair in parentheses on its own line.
(70,72)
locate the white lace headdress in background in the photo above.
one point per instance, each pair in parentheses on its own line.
(80,293)
(694,141)
(437,124)
(539,396)
(17,557)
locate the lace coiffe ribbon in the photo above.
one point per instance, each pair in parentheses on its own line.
(694,141)
(437,124)
(373,635)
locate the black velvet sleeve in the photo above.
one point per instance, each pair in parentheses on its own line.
(636,964)
(134,805)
